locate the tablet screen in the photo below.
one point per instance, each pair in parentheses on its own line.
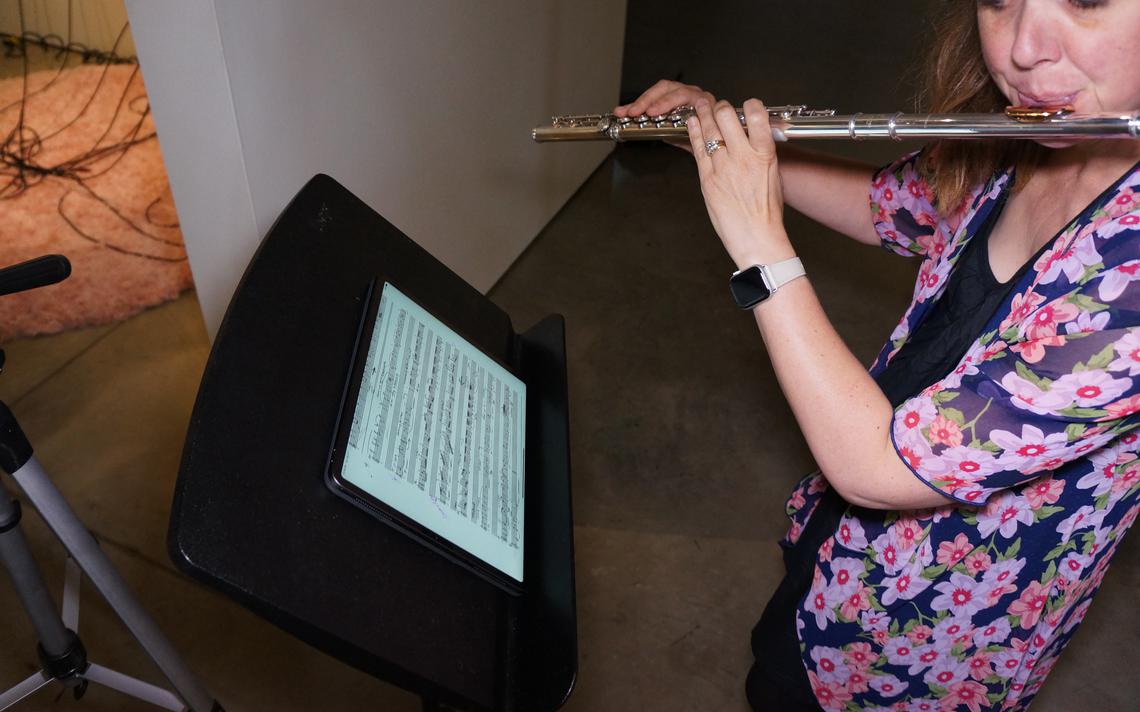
(438,434)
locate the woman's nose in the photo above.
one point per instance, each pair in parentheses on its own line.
(1036,35)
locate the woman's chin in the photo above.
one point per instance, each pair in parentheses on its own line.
(1056,143)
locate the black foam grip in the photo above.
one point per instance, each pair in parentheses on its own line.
(15,450)
(38,272)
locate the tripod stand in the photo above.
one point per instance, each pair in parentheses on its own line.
(61,652)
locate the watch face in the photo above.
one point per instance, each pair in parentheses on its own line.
(748,287)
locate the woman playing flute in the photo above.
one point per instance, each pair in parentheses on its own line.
(974,485)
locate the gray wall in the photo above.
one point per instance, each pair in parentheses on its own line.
(422,109)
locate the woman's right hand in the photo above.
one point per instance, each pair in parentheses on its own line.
(663,97)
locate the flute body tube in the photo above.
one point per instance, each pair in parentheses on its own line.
(798,122)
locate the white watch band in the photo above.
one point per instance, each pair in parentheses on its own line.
(784,271)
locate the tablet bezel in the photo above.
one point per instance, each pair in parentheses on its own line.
(378,508)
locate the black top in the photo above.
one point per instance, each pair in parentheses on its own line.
(953,322)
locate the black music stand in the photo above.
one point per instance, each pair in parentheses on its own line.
(252,515)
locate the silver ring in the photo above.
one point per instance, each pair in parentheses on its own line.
(713,145)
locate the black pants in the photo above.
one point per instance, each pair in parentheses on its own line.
(777,681)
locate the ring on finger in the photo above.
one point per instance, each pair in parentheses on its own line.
(713,145)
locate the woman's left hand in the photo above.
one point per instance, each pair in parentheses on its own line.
(741,181)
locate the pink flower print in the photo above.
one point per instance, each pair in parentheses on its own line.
(1124,202)
(978,562)
(917,198)
(1114,281)
(995,632)
(1020,307)
(915,414)
(969,464)
(845,575)
(907,532)
(918,456)
(794,532)
(851,535)
(830,695)
(1003,514)
(857,681)
(829,663)
(931,278)
(946,672)
(886,552)
(1020,452)
(1124,223)
(820,602)
(1070,257)
(1087,323)
(1123,408)
(1073,565)
(968,693)
(825,549)
(1027,396)
(1128,353)
(919,634)
(1044,322)
(922,705)
(925,657)
(1125,481)
(980,667)
(961,595)
(944,431)
(933,245)
(888,685)
(1030,604)
(858,656)
(817,484)
(1033,351)
(1104,464)
(796,501)
(1088,389)
(904,587)
(871,620)
(1043,491)
(952,629)
(951,552)
(859,600)
(1002,577)
(900,651)
(1077,616)
(1006,663)
(1084,517)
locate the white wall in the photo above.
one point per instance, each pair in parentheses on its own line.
(422,109)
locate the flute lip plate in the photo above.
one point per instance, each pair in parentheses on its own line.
(1032,114)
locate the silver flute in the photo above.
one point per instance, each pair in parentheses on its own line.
(800,122)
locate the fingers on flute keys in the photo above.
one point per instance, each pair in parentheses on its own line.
(759,128)
(662,97)
(728,122)
(713,134)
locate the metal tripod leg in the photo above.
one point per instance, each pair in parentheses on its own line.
(98,568)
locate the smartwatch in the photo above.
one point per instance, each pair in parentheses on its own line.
(754,284)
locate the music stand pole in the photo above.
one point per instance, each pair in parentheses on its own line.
(61,651)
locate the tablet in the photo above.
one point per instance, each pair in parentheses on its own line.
(431,438)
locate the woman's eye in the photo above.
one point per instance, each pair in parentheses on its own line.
(1088,4)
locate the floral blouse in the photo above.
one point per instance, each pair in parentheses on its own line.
(968,605)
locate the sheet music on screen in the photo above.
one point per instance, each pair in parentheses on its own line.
(438,434)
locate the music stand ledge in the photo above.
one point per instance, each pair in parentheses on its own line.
(252,515)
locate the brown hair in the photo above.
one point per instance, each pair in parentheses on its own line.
(956,80)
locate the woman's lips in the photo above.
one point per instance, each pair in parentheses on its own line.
(1048,100)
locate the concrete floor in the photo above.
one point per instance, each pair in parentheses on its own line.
(683,449)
